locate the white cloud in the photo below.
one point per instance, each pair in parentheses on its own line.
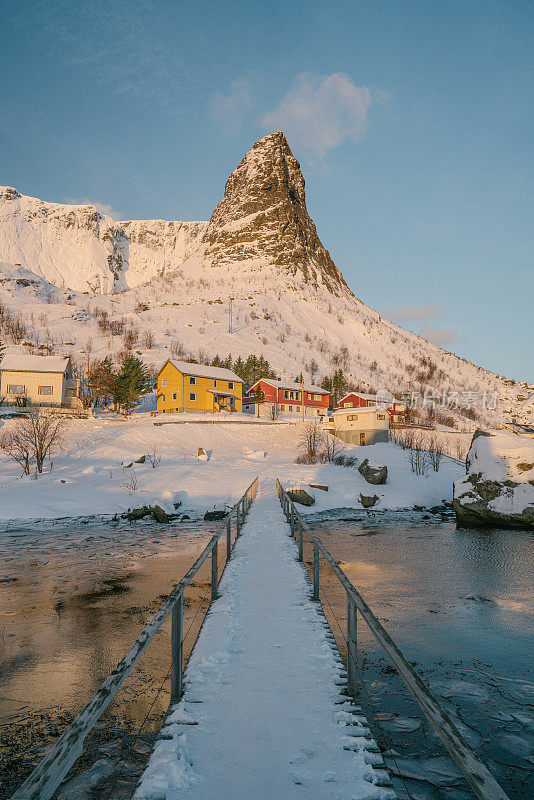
(319,112)
(229,109)
(405,313)
(443,337)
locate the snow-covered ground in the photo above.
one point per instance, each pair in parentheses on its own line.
(89,477)
(262,713)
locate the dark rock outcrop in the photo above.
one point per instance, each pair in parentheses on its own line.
(368,501)
(300,496)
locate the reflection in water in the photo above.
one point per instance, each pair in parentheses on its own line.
(459,603)
(73,598)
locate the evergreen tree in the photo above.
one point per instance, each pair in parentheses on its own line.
(102,380)
(339,387)
(216,362)
(239,368)
(131,382)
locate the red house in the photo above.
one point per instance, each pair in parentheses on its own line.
(396,411)
(286,397)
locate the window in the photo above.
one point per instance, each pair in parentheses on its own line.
(230,384)
(283,408)
(291,408)
(164,381)
(214,384)
(45,390)
(15,388)
(162,398)
(352,417)
(192,380)
(286,395)
(174,394)
(346,405)
(318,397)
(380,416)
(297,409)
(192,397)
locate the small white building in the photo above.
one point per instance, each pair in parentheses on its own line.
(28,380)
(360,426)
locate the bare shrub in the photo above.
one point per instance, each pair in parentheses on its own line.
(333,447)
(16,445)
(435,452)
(311,444)
(150,340)
(344,460)
(419,460)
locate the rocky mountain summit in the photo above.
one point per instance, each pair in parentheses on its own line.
(263,216)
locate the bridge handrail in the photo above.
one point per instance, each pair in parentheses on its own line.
(476,773)
(52,769)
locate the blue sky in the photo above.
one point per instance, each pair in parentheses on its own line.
(412,121)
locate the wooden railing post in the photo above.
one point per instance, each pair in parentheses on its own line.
(238,526)
(352,646)
(228,538)
(215,571)
(315,571)
(301,541)
(177,624)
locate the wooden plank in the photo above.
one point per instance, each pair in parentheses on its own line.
(177,625)
(476,773)
(320,486)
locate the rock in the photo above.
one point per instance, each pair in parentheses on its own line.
(368,501)
(418,508)
(300,496)
(202,455)
(212,516)
(159,514)
(372,474)
(138,513)
(127,466)
(141,460)
(178,504)
(498,489)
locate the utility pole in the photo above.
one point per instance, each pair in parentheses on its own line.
(230,322)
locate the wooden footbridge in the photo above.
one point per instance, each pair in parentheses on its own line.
(265,705)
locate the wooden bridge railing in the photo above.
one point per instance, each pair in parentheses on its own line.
(479,778)
(46,777)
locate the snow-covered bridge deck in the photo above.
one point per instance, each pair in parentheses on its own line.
(263,712)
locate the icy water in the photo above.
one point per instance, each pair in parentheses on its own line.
(73,598)
(459,604)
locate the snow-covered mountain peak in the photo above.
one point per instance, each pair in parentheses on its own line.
(263,218)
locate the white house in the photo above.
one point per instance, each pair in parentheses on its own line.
(361,426)
(27,380)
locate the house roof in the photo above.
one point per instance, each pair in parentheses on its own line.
(360,410)
(281,384)
(203,371)
(23,362)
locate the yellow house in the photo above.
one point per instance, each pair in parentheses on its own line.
(198,388)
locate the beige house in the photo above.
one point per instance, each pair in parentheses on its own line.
(360,426)
(27,380)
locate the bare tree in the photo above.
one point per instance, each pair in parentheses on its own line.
(149,340)
(435,452)
(313,368)
(17,446)
(274,411)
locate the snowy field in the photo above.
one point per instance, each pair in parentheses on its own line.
(89,476)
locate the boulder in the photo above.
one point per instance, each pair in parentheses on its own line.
(498,488)
(373,474)
(141,460)
(159,514)
(213,516)
(300,496)
(202,455)
(368,501)
(138,513)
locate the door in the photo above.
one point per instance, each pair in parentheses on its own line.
(362,438)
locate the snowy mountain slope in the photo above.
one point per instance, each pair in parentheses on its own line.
(77,247)
(290,302)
